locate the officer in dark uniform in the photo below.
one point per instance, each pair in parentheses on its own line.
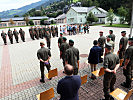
(10,35)
(43,55)
(64,46)
(72,57)
(52,31)
(44,31)
(48,39)
(40,32)
(122,46)
(15,33)
(49,30)
(101,42)
(60,40)
(3,35)
(110,66)
(128,65)
(112,35)
(22,35)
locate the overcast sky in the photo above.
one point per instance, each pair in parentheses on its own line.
(14,4)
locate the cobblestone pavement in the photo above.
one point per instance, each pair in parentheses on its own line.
(20,74)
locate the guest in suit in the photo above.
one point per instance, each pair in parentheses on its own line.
(93,59)
(68,86)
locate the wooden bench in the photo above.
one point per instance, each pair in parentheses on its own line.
(120,94)
(99,72)
(52,73)
(46,95)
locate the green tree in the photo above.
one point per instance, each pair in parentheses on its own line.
(91,18)
(31,22)
(86,3)
(122,12)
(26,19)
(42,21)
(38,13)
(110,16)
(16,15)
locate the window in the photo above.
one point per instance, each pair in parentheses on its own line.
(94,12)
(4,25)
(115,19)
(80,19)
(97,12)
(0,24)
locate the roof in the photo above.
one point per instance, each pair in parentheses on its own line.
(63,16)
(83,9)
(102,10)
(101,15)
(22,18)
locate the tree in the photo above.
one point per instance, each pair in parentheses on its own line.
(16,15)
(38,13)
(26,19)
(91,18)
(11,21)
(86,3)
(42,21)
(122,12)
(110,16)
(31,22)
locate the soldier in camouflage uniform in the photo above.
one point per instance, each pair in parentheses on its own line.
(4,35)
(32,35)
(110,66)
(72,57)
(56,31)
(128,65)
(36,33)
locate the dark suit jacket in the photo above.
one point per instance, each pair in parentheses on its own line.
(68,87)
(95,54)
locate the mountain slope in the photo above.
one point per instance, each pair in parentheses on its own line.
(20,11)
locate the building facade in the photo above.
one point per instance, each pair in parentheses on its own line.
(78,15)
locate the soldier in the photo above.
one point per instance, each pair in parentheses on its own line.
(40,32)
(128,65)
(122,46)
(10,35)
(22,35)
(60,40)
(44,31)
(72,57)
(31,31)
(101,42)
(49,30)
(112,35)
(43,55)
(52,31)
(110,66)
(64,46)
(4,35)
(110,42)
(15,33)
(36,33)
(48,39)
(56,31)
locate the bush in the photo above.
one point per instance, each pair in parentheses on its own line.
(42,21)
(31,22)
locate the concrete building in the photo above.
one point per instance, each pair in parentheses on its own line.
(61,19)
(19,21)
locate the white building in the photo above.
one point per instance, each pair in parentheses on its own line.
(78,15)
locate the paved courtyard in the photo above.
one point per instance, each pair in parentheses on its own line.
(20,73)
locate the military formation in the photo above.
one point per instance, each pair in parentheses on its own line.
(10,35)
(103,50)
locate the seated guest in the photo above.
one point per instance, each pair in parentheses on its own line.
(68,86)
(94,57)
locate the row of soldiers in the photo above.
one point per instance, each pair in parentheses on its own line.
(41,32)
(10,34)
(125,57)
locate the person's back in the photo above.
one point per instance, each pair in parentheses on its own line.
(68,86)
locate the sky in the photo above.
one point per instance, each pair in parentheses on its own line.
(14,4)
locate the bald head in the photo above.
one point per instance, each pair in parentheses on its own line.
(68,69)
